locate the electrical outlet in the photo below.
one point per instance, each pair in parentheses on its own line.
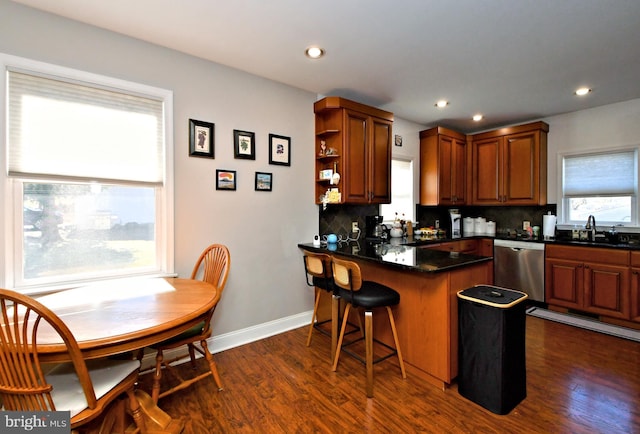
(526,225)
(354,227)
(437,224)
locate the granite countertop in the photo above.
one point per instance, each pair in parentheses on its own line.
(562,240)
(400,255)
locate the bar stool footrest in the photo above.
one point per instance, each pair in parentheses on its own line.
(362,359)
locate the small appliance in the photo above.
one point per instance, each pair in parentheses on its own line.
(456,217)
(374,229)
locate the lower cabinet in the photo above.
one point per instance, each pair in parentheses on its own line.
(593,280)
(463,246)
(635,286)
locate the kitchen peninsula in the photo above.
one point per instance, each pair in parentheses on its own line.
(427,316)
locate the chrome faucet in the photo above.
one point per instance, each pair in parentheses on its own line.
(591,226)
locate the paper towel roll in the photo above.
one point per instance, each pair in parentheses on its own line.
(549,226)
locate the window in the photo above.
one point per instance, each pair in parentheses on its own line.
(88,177)
(600,184)
(402,201)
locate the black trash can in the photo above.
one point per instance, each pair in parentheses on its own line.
(491,347)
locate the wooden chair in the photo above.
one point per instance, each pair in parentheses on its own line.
(214,262)
(368,295)
(317,266)
(85,389)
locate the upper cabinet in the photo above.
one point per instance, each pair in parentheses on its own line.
(509,166)
(353,140)
(443,167)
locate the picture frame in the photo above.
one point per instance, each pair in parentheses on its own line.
(264,181)
(226,179)
(201,139)
(244,145)
(398,140)
(279,150)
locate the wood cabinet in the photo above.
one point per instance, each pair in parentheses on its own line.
(443,167)
(593,280)
(509,166)
(357,142)
(635,287)
(470,246)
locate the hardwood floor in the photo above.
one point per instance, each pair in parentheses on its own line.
(577,382)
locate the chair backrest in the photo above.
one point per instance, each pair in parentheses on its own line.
(346,274)
(23,385)
(213,266)
(214,262)
(317,265)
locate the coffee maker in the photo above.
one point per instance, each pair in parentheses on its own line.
(374,229)
(456,218)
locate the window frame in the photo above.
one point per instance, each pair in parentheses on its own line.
(564,202)
(11,187)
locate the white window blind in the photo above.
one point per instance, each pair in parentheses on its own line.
(73,130)
(610,174)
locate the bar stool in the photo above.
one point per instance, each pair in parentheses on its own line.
(368,295)
(317,266)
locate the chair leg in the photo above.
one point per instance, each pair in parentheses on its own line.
(395,338)
(313,317)
(335,314)
(341,337)
(192,355)
(155,389)
(368,335)
(362,332)
(136,412)
(212,364)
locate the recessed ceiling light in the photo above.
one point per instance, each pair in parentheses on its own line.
(477,117)
(583,91)
(442,103)
(314,52)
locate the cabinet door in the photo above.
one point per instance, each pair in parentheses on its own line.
(380,174)
(635,294)
(606,290)
(521,171)
(446,169)
(485,247)
(355,158)
(452,165)
(459,171)
(564,283)
(486,176)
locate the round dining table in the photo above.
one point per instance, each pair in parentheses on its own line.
(122,315)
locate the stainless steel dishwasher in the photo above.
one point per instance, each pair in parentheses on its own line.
(519,265)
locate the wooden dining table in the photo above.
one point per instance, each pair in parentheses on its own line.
(118,316)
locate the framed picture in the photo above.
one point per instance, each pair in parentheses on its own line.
(244,145)
(263,181)
(279,150)
(225,179)
(398,140)
(201,139)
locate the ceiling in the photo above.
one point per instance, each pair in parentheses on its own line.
(512,61)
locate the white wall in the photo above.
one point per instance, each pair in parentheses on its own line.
(261,229)
(605,127)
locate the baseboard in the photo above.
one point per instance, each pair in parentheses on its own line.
(236,338)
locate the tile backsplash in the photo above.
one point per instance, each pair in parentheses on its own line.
(337,218)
